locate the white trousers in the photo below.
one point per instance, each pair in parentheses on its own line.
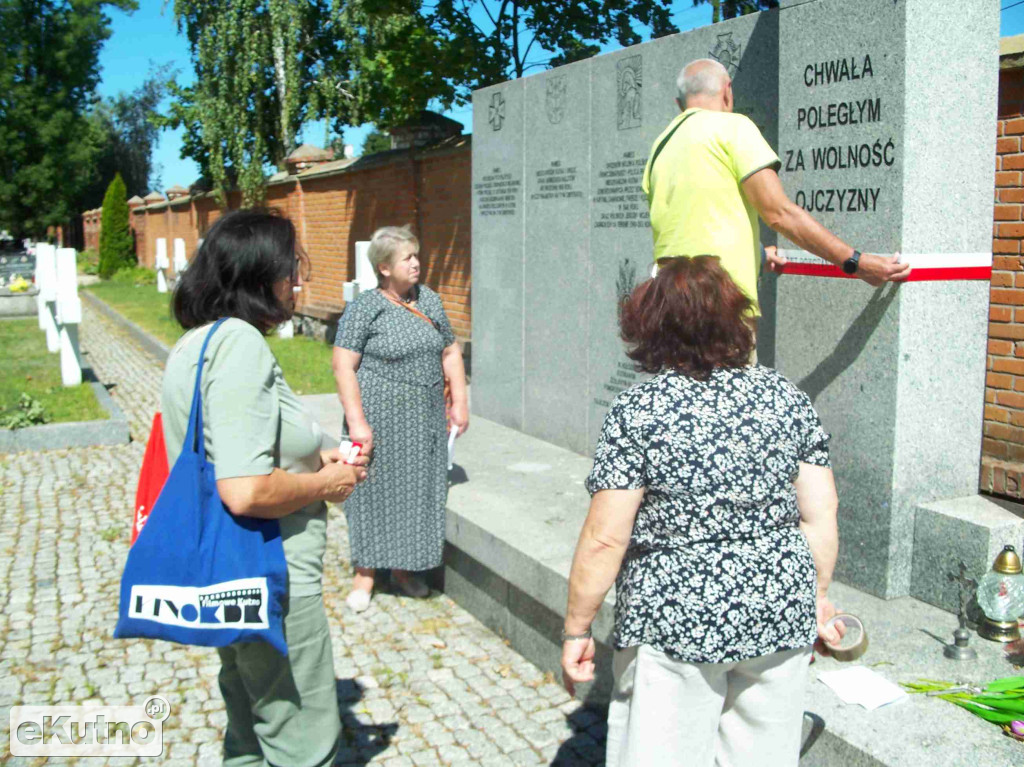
(668,712)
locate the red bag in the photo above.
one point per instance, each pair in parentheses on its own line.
(152,476)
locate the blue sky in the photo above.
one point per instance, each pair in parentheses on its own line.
(150,37)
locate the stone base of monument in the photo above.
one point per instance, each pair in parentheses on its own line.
(514,512)
(972,530)
(18,304)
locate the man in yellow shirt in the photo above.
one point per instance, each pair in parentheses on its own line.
(711,174)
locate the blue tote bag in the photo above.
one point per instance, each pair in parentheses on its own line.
(197,574)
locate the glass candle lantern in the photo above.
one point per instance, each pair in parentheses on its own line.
(1001,598)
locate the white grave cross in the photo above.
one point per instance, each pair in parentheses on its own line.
(366,276)
(46,281)
(161,264)
(180,260)
(69,316)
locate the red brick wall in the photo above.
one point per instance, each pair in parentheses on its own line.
(1003,445)
(445,224)
(91,229)
(333,211)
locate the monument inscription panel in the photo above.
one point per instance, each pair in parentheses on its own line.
(619,201)
(497,193)
(854,98)
(555,274)
(498,189)
(841,126)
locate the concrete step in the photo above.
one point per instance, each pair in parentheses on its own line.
(515,510)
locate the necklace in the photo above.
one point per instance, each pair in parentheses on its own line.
(394,295)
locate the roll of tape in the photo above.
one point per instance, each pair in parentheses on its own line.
(847,652)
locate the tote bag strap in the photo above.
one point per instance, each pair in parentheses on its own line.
(194,440)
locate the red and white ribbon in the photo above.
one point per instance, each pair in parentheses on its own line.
(924,266)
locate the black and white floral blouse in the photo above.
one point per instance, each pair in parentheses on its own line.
(717,569)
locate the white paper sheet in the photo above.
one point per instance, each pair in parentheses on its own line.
(451,447)
(862,686)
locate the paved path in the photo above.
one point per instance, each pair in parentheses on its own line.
(420,682)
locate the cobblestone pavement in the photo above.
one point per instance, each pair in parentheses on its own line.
(420,682)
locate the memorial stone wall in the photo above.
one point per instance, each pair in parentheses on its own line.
(856,98)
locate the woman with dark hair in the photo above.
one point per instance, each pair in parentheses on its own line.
(714,505)
(266,452)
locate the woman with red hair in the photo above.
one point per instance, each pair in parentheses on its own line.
(715,506)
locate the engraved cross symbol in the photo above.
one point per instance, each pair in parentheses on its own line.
(967,587)
(727,53)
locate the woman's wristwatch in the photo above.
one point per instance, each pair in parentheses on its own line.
(576,637)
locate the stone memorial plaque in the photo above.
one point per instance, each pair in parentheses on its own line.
(855,99)
(841,120)
(861,145)
(621,243)
(840,134)
(16,264)
(556,295)
(498,253)
(628,111)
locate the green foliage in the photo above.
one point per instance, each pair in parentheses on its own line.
(28,368)
(1000,702)
(117,246)
(28,412)
(376,142)
(306,362)
(489,42)
(263,68)
(88,262)
(134,275)
(731,9)
(142,305)
(124,130)
(49,68)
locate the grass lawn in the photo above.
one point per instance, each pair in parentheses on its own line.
(26,366)
(306,362)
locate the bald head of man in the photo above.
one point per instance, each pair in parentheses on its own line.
(704,84)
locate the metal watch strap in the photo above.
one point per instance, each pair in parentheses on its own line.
(575,637)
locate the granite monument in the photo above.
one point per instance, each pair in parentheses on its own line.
(883,115)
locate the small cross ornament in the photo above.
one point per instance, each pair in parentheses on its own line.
(967,586)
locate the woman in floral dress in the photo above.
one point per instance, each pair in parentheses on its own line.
(715,506)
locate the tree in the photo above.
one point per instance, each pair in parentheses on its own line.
(376,141)
(124,130)
(117,247)
(516,36)
(731,9)
(265,67)
(49,68)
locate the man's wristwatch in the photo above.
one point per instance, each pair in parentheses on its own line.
(850,265)
(574,637)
